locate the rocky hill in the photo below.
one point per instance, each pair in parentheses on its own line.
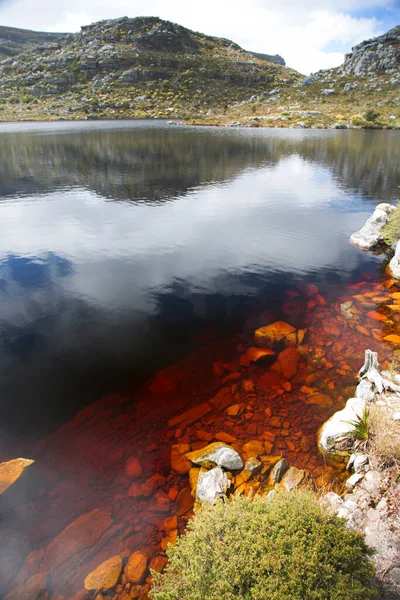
(13,41)
(133,68)
(363,92)
(275,58)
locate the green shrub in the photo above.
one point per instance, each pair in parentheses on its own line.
(372,115)
(258,549)
(391,231)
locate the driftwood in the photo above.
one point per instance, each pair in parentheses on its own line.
(370,371)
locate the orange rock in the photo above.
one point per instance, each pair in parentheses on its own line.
(393,307)
(193,478)
(133,468)
(287,363)
(393,339)
(171,523)
(270,335)
(268,447)
(169,539)
(105,576)
(191,415)
(378,335)
(253,449)
(179,462)
(184,502)
(134,490)
(261,355)
(395,295)
(158,563)
(287,386)
(11,470)
(221,436)
(235,410)
(244,361)
(268,380)
(372,314)
(173,493)
(362,329)
(136,567)
(222,398)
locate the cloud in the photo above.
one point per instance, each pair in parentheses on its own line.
(303,32)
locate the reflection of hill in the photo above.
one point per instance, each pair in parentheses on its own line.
(154,164)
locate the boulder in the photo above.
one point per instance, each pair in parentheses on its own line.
(335,436)
(105,576)
(277,333)
(287,363)
(11,470)
(136,567)
(219,454)
(292,479)
(278,471)
(212,485)
(394,264)
(370,236)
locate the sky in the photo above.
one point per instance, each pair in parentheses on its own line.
(309,34)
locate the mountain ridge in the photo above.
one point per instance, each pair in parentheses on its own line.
(146,67)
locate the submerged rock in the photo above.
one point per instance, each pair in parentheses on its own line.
(136,567)
(219,454)
(271,335)
(212,485)
(370,236)
(105,576)
(11,470)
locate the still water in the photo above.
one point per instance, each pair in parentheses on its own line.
(124,247)
(120,240)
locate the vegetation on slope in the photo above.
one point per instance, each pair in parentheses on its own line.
(13,41)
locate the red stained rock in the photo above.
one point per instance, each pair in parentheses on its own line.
(136,567)
(269,380)
(179,462)
(261,355)
(184,502)
(271,335)
(287,363)
(158,563)
(221,436)
(377,316)
(30,590)
(77,536)
(133,468)
(191,415)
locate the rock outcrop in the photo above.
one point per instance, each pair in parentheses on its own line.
(378,54)
(370,235)
(11,470)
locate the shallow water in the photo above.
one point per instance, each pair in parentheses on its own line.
(126,247)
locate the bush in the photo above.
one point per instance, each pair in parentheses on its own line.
(357,120)
(259,549)
(372,115)
(391,231)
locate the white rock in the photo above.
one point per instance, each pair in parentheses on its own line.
(353,480)
(219,453)
(370,236)
(332,501)
(365,390)
(360,463)
(394,264)
(212,485)
(334,433)
(372,483)
(396,416)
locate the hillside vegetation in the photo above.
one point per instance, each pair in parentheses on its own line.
(134,68)
(13,41)
(146,67)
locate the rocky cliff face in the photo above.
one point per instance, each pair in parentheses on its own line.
(381,54)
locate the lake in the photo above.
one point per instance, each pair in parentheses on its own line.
(134,256)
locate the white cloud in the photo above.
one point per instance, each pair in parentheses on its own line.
(302,32)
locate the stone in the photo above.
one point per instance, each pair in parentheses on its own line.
(191,415)
(105,576)
(353,480)
(278,471)
(392,338)
(158,563)
(292,479)
(235,410)
(133,468)
(253,465)
(370,236)
(76,537)
(211,485)
(136,567)
(11,470)
(32,589)
(179,461)
(263,356)
(287,363)
(333,501)
(365,390)
(253,449)
(222,436)
(270,336)
(328,92)
(335,435)
(219,454)
(360,463)
(184,502)
(372,483)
